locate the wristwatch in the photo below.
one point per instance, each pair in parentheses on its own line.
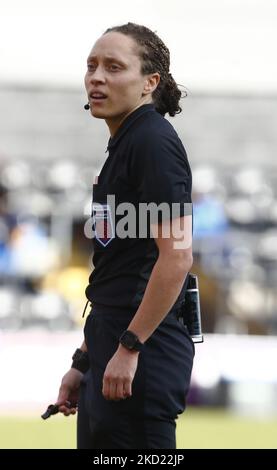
(129,340)
(80,361)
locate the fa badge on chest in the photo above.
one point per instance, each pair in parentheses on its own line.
(102,223)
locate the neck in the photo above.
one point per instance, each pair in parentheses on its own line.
(114,123)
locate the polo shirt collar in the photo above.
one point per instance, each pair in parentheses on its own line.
(127,123)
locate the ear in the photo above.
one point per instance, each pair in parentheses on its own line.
(151,83)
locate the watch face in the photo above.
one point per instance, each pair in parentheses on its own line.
(129,339)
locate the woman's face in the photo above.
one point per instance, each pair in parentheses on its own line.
(114,83)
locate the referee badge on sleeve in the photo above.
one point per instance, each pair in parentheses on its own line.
(102,223)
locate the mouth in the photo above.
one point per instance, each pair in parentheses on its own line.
(97,97)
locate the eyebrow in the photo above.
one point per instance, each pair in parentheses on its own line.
(107,58)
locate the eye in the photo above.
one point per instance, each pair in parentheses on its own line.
(114,67)
(91,67)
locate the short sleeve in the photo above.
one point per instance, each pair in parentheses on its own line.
(161,173)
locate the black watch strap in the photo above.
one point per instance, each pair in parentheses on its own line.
(130,341)
(80,361)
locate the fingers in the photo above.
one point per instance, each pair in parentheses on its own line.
(106,388)
(128,389)
(65,405)
(67,410)
(63,395)
(120,391)
(116,390)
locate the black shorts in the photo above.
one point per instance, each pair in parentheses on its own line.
(146,420)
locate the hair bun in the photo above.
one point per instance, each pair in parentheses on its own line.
(155,57)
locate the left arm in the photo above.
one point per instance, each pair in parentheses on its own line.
(163,288)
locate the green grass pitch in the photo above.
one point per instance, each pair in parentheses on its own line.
(196,429)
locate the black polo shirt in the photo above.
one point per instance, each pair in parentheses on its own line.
(147,163)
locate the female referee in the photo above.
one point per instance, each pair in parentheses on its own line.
(131,375)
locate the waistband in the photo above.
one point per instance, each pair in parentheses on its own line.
(124,312)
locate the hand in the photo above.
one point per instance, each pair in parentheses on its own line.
(69,391)
(119,374)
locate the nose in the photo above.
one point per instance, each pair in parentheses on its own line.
(98,75)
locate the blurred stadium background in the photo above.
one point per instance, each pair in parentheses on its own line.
(50,152)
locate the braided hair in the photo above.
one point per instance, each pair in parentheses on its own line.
(155,57)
